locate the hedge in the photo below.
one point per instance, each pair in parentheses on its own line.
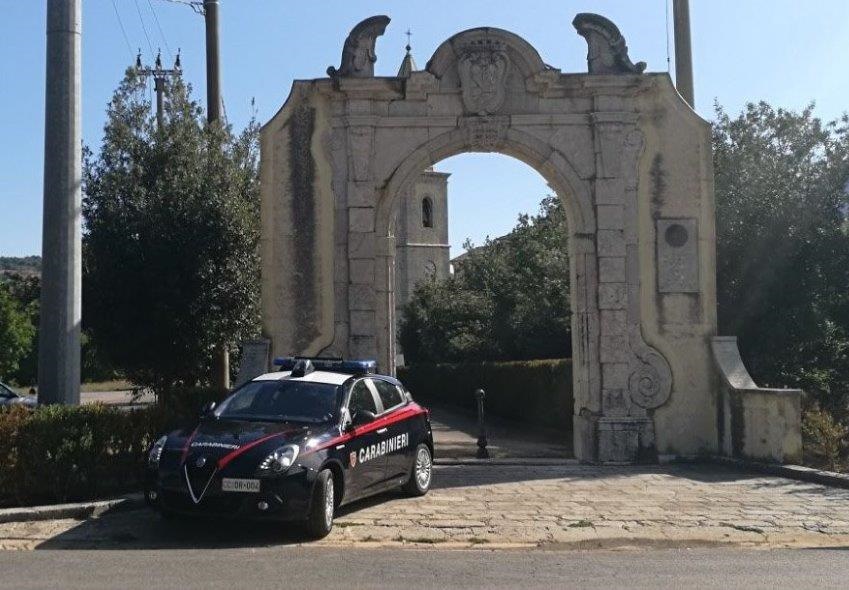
(538,392)
(71,453)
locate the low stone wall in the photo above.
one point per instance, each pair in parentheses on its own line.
(538,392)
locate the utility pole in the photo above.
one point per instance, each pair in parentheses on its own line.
(221,359)
(213,69)
(209,10)
(61,250)
(160,77)
(683,51)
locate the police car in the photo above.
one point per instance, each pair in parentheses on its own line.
(295,445)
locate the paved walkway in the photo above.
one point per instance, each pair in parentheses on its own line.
(455,434)
(560,507)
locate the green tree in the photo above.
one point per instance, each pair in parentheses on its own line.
(508,299)
(25,290)
(782,248)
(16,333)
(170,250)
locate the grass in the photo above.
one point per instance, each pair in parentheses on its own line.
(580,524)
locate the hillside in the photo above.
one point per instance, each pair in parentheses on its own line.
(27,265)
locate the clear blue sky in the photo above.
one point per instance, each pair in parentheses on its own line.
(784,51)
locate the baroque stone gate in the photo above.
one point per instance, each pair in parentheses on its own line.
(628,157)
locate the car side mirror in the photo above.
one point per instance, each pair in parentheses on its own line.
(207,409)
(362,417)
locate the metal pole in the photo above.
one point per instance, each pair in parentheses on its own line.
(213,70)
(482,453)
(221,360)
(683,51)
(61,250)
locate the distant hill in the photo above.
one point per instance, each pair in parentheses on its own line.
(27,265)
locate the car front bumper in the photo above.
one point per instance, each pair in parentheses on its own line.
(284,498)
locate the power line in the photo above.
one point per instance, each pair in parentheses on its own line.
(161,32)
(123,30)
(144,28)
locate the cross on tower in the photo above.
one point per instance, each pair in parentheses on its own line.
(409,34)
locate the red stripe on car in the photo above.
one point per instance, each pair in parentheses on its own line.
(223,461)
(188,444)
(404,413)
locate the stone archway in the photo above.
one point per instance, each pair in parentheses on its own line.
(629,157)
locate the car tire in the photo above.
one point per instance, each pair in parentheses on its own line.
(320,520)
(421,472)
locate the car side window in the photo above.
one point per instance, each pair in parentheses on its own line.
(361,398)
(389,394)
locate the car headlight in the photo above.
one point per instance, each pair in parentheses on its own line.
(156,452)
(280,460)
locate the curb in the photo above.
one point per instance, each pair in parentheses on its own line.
(517,461)
(77,511)
(797,472)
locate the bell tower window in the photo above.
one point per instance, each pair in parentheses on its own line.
(427,212)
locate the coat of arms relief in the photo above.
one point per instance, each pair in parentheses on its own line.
(483,67)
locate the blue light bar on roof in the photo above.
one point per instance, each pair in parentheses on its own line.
(325,364)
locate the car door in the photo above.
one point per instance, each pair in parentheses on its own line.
(397,435)
(366,463)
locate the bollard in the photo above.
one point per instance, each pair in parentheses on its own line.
(482,452)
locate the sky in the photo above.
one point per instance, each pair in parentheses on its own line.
(787,52)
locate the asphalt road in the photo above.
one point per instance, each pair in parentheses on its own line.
(305,567)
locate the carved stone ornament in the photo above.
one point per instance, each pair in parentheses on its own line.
(483,66)
(358,55)
(486,134)
(650,380)
(607,52)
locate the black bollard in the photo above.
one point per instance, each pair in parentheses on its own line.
(482,452)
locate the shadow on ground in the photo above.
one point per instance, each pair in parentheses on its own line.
(455,434)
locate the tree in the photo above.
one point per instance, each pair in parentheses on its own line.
(508,299)
(782,246)
(25,291)
(170,250)
(16,333)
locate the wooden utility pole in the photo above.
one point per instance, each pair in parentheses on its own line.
(213,66)
(683,51)
(209,10)
(160,77)
(61,249)
(221,359)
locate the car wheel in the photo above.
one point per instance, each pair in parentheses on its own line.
(422,472)
(320,519)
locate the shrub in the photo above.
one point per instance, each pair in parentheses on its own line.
(66,453)
(539,392)
(824,439)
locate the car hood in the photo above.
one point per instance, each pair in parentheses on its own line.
(227,441)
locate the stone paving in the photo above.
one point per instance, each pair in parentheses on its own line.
(555,507)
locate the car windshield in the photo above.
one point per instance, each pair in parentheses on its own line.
(282,401)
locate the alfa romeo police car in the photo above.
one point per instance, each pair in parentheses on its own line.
(294,445)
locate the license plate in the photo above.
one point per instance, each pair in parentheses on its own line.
(239,485)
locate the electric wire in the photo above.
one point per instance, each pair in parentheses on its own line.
(161,32)
(123,30)
(144,28)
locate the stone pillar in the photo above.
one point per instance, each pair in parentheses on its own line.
(634,377)
(362,241)
(61,282)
